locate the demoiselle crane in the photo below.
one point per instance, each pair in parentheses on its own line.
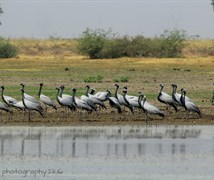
(80,104)
(30,106)
(149,108)
(166,98)
(10,101)
(29,97)
(45,99)
(95,100)
(189,105)
(113,102)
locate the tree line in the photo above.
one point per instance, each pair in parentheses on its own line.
(100,44)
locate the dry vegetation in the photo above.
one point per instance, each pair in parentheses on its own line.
(201,48)
(45,47)
(54,62)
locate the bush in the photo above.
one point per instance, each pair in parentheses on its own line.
(111,49)
(92,42)
(141,47)
(91,79)
(101,44)
(172,43)
(117,47)
(7,50)
(122,79)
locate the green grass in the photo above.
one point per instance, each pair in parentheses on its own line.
(195,73)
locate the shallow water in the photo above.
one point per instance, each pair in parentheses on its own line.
(118,152)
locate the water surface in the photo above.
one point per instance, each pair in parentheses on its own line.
(117,152)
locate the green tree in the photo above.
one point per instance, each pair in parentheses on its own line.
(212,2)
(92,43)
(7,50)
(1,11)
(172,43)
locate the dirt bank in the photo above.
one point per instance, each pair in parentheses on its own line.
(106,117)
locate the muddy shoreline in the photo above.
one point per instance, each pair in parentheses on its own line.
(106,118)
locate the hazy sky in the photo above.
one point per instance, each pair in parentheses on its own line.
(69,18)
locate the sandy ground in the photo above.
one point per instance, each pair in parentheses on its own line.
(107,117)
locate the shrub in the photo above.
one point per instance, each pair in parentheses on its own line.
(101,44)
(172,43)
(122,79)
(91,79)
(92,42)
(123,44)
(139,46)
(117,47)
(111,49)
(7,50)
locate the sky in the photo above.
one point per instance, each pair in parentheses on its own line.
(69,18)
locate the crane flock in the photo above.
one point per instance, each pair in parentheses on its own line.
(95,102)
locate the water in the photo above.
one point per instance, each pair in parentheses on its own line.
(117,152)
